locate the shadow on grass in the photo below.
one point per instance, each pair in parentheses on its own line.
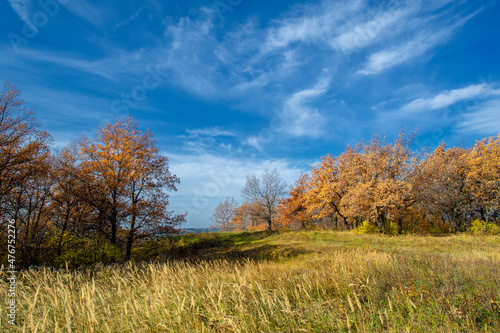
(215,246)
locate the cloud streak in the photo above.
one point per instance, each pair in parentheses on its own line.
(302,120)
(431,36)
(210,132)
(450,97)
(482,119)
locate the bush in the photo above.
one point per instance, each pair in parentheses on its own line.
(477,227)
(393,229)
(480,227)
(367,228)
(492,229)
(87,252)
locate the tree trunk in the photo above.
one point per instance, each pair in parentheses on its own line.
(382,221)
(113,230)
(114,219)
(130,241)
(130,238)
(63,230)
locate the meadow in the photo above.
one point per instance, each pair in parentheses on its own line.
(310,281)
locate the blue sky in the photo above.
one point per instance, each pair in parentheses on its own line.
(232,87)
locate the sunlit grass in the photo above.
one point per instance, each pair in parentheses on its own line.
(281,282)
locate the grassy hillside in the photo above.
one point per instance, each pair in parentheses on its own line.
(274,282)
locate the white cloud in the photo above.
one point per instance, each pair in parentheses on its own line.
(311,24)
(428,36)
(208,179)
(251,58)
(483,120)
(113,68)
(450,97)
(88,12)
(210,132)
(255,142)
(367,32)
(270,61)
(382,60)
(300,119)
(130,19)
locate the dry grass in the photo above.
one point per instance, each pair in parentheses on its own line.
(289,282)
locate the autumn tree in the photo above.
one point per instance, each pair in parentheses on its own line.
(384,174)
(442,186)
(21,140)
(264,192)
(370,181)
(248,216)
(24,185)
(127,180)
(71,216)
(292,211)
(327,186)
(224,215)
(483,179)
(28,204)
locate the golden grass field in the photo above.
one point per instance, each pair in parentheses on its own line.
(314,281)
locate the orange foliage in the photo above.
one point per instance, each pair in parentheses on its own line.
(247,217)
(483,179)
(370,181)
(292,211)
(128,180)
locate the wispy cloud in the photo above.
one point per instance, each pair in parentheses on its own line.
(237,63)
(450,97)
(88,12)
(283,61)
(208,140)
(130,19)
(310,24)
(210,132)
(430,34)
(112,68)
(362,34)
(296,119)
(255,142)
(302,120)
(482,119)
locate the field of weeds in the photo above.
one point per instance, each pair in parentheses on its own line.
(273,282)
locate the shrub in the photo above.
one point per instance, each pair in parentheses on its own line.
(86,252)
(393,229)
(491,229)
(367,228)
(477,227)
